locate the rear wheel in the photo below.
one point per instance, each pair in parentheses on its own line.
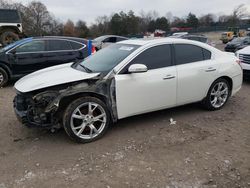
(8,37)
(218,95)
(86,119)
(4,78)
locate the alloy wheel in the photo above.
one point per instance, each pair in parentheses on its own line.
(219,94)
(88,120)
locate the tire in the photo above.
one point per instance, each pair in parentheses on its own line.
(4,77)
(8,37)
(215,100)
(78,116)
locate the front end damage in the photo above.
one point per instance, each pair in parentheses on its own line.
(45,108)
(32,110)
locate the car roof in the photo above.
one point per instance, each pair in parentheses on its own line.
(60,37)
(149,41)
(155,41)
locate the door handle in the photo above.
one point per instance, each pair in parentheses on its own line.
(210,69)
(168,77)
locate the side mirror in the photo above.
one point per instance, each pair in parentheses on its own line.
(137,68)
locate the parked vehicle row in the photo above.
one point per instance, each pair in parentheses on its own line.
(237,44)
(244,56)
(199,38)
(125,79)
(32,54)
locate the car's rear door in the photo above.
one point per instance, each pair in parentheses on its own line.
(155,89)
(196,71)
(59,52)
(28,57)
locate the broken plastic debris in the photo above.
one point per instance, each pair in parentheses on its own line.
(172,122)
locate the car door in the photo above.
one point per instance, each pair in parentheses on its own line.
(155,89)
(60,52)
(196,71)
(28,57)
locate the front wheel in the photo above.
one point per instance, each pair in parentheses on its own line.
(3,77)
(218,95)
(86,119)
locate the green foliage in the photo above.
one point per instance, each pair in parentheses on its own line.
(124,24)
(192,20)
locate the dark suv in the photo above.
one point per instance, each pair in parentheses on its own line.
(237,44)
(31,54)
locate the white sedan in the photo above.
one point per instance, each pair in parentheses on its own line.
(126,79)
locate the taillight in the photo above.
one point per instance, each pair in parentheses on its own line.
(93,50)
(238,61)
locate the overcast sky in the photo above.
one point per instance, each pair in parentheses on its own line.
(88,10)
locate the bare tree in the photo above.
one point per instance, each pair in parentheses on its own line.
(207,20)
(69,28)
(240,11)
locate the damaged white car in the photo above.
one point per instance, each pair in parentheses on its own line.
(128,78)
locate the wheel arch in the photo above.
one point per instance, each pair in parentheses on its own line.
(7,69)
(66,100)
(229,80)
(9,28)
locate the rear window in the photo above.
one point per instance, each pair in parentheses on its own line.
(9,16)
(187,53)
(76,45)
(207,54)
(58,45)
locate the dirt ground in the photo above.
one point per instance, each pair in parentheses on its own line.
(203,149)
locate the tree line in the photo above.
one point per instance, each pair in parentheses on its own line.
(38,21)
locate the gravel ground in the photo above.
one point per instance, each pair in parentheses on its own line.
(203,149)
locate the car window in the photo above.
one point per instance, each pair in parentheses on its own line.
(33,46)
(187,53)
(203,39)
(154,58)
(207,54)
(118,39)
(76,45)
(110,39)
(247,41)
(192,38)
(58,45)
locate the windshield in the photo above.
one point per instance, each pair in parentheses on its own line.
(8,47)
(106,59)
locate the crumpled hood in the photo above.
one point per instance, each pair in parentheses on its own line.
(51,76)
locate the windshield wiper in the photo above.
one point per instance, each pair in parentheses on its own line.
(85,68)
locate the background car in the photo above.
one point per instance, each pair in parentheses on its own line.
(237,44)
(199,38)
(244,56)
(126,79)
(10,26)
(106,40)
(31,54)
